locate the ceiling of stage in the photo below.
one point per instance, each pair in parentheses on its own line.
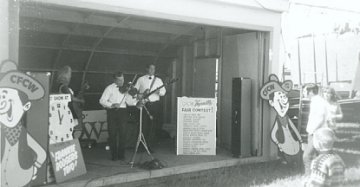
(51,37)
(95,44)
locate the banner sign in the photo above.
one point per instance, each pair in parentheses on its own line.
(67,160)
(196,126)
(94,126)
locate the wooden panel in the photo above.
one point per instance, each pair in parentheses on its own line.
(240,60)
(37,120)
(205,77)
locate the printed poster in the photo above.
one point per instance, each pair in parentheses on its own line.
(196,126)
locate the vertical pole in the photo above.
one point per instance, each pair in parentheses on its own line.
(221,54)
(9,30)
(184,71)
(326,64)
(315,70)
(173,93)
(336,70)
(9,37)
(299,61)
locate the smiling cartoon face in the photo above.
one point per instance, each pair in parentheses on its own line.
(280,103)
(11,107)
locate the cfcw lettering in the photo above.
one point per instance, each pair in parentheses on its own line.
(24,82)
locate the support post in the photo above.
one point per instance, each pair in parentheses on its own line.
(315,69)
(299,61)
(326,64)
(9,37)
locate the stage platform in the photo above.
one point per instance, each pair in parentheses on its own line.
(101,171)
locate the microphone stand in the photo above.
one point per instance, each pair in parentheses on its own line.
(140,139)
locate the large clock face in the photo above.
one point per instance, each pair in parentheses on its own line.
(61,122)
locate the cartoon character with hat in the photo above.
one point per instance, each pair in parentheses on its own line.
(21,155)
(284,133)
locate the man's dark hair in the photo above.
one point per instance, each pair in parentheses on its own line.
(150,64)
(312,88)
(118,74)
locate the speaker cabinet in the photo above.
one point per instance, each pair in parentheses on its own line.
(241,117)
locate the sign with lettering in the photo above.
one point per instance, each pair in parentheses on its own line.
(61,121)
(67,160)
(94,126)
(196,126)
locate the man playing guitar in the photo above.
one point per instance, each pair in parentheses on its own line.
(146,84)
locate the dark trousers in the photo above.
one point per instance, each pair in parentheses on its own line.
(309,154)
(151,127)
(117,119)
(293,161)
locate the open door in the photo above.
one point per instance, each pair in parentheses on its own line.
(242,57)
(205,77)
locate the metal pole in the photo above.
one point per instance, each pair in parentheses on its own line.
(326,64)
(315,70)
(336,70)
(299,61)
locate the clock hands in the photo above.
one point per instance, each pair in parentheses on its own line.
(60,117)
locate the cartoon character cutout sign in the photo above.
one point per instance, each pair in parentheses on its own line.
(284,133)
(21,155)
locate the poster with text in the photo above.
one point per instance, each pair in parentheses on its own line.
(196,126)
(67,160)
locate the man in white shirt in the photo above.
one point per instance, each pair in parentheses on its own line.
(117,116)
(317,119)
(148,83)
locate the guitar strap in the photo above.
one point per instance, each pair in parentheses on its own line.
(152,83)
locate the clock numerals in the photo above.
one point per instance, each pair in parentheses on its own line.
(61,122)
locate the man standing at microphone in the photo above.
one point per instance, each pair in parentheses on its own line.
(146,84)
(114,101)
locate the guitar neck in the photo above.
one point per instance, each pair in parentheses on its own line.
(158,88)
(82,90)
(152,92)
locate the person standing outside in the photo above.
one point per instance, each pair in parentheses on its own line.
(117,116)
(328,168)
(317,119)
(146,84)
(334,109)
